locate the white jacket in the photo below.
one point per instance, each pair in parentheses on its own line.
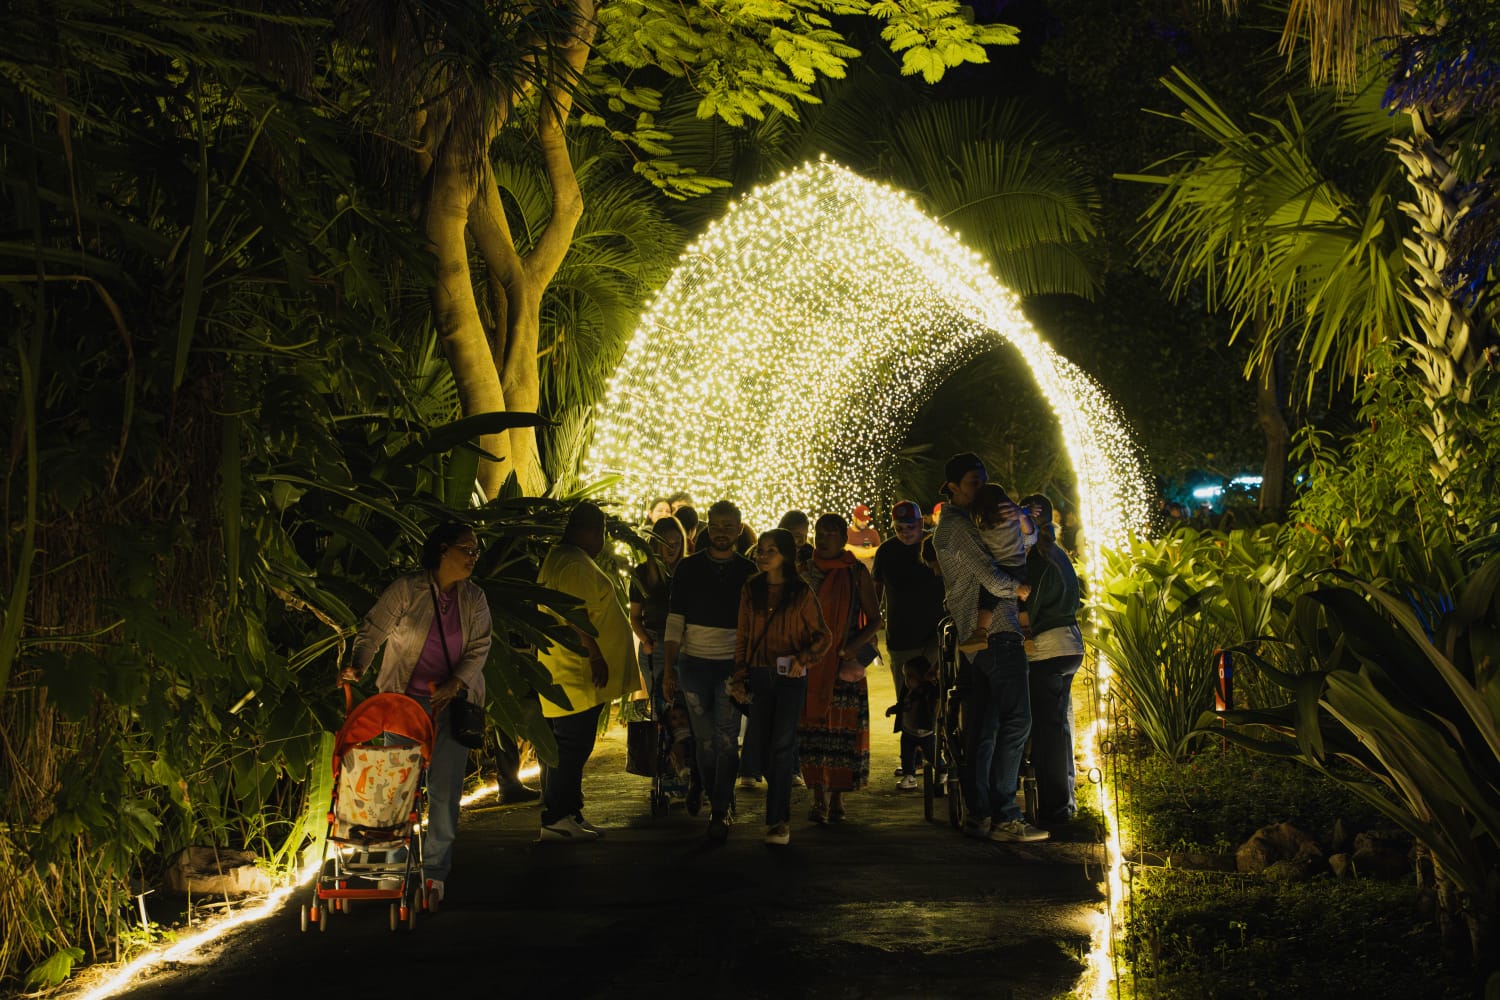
(401,619)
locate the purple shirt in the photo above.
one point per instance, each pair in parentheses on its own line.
(432,666)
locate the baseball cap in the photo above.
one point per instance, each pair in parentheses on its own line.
(862,512)
(964,461)
(906,510)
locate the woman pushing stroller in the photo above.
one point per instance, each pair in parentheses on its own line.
(435,626)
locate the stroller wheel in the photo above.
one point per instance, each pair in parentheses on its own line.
(410,913)
(659,805)
(395,915)
(304,918)
(322,917)
(955,803)
(929,790)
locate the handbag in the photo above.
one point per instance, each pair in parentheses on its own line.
(852,668)
(465,718)
(641,747)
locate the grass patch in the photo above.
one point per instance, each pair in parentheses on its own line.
(1196,934)
(1215,800)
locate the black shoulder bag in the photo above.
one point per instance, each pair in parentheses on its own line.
(465,718)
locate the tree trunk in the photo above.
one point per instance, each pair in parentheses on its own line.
(455,311)
(501,372)
(1272,421)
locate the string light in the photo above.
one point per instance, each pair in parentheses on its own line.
(782,364)
(103,983)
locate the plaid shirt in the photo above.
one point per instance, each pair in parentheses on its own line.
(968,567)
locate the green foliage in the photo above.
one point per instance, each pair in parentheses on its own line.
(1215,799)
(750,60)
(1167,606)
(1192,935)
(1372,495)
(1418,713)
(1161,651)
(1261,227)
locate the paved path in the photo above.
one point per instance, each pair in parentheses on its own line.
(882,905)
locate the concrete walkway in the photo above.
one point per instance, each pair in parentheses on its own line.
(883,905)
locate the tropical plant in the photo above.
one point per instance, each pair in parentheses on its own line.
(1422,281)
(1161,652)
(449,75)
(1417,713)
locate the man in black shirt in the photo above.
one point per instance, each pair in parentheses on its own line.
(913,598)
(702,618)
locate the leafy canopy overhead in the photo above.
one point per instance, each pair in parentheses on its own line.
(747,58)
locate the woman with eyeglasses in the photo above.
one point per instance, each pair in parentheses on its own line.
(435,626)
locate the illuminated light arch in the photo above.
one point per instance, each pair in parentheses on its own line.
(783,362)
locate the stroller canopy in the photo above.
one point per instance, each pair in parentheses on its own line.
(385,713)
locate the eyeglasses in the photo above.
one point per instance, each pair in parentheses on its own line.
(472,551)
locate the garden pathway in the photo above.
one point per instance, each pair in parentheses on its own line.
(883,905)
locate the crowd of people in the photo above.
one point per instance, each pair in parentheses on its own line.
(756,647)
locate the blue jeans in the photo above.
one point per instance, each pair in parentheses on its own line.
(445,787)
(562,785)
(774,711)
(1052,736)
(997,725)
(716,726)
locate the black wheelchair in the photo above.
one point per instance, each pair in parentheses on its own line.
(940,777)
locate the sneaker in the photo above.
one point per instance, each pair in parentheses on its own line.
(718,828)
(566,830)
(900,771)
(749,782)
(779,835)
(435,888)
(1017,831)
(979,829)
(907,783)
(798,781)
(591,828)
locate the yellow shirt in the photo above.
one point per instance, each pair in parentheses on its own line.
(569,569)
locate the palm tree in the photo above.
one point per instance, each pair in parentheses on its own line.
(1445,83)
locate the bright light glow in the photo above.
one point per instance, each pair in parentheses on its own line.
(186,947)
(783,362)
(1207,492)
(1099,967)
(1246,481)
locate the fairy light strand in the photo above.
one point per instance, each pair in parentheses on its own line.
(784,361)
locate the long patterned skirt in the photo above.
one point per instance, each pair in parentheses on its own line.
(836,756)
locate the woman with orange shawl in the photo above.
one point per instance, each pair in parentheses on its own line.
(833,739)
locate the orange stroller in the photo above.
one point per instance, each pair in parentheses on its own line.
(373,850)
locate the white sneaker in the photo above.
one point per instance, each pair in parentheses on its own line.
(798,781)
(591,828)
(907,783)
(1017,831)
(567,830)
(435,887)
(748,782)
(779,835)
(900,771)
